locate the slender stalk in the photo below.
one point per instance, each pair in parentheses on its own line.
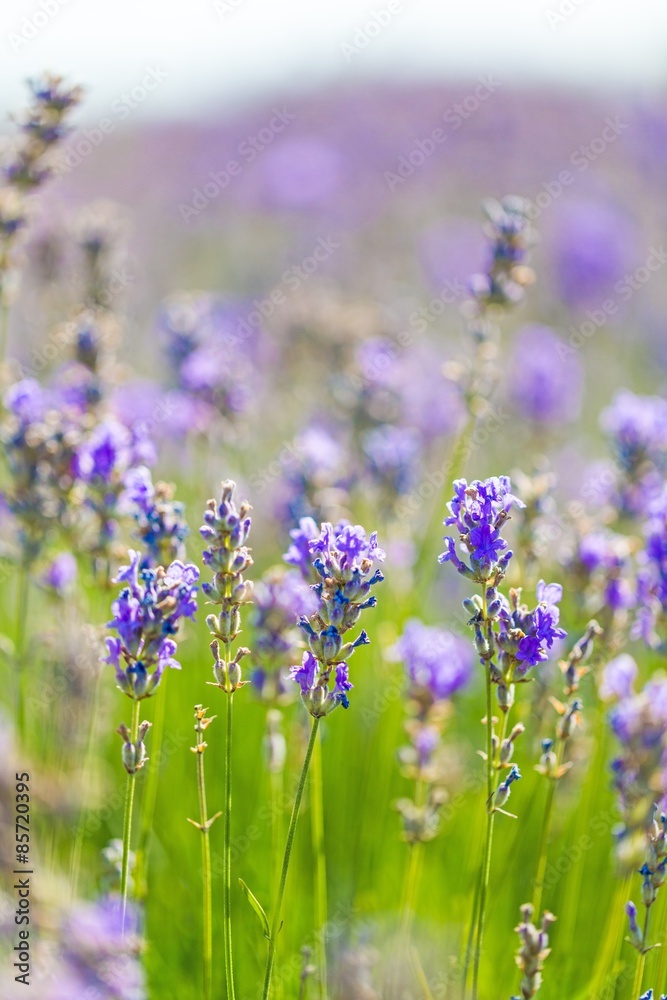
(641,957)
(150,793)
(207,922)
(471,935)
(662,961)
(127,819)
(410,892)
(86,781)
(227,857)
(317,833)
(277,788)
(4,329)
(490,817)
(21,643)
(544,835)
(277,921)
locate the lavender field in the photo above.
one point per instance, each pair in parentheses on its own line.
(386,718)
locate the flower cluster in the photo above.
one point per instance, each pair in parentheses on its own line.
(343,558)
(551,384)
(654,877)
(510,237)
(98,956)
(526,636)
(226,528)
(40,442)
(652,575)
(602,564)
(478,511)
(101,463)
(637,426)
(315,472)
(146,617)
(209,345)
(160,522)
(279,599)
(41,127)
(639,723)
(533,951)
(437,664)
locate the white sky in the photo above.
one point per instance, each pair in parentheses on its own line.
(258,48)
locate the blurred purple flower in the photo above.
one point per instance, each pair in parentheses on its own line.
(545,377)
(61,573)
(592,245)
(435,660)
(618,678)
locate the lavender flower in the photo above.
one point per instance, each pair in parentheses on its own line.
(40,441)
(547,380)
(226,528)
(279,598)
(533,951)
(652,575)
(618,678)
(478,512)
(528,635)
(298,553)
(639,723)
(61,574)
(159,518)
(637,426)
(602,563)
(343,558)
(437,663)
(41,127)
(146,617)
(102,461)
(97,956)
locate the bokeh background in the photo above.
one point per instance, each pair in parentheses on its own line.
(228,141)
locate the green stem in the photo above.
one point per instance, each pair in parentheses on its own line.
(471,934)
(127,818)
(207,944)
(150,793)
(544,835)
(662,963)
(410,892)
(86,781)
(277,788)
(227,857)
(317,833)
(490,816)
(641,958)
(21,643)
(275,927)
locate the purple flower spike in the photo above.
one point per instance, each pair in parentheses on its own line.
(341,559)
(478,512)
(146,617)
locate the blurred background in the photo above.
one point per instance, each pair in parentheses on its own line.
(307,179)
